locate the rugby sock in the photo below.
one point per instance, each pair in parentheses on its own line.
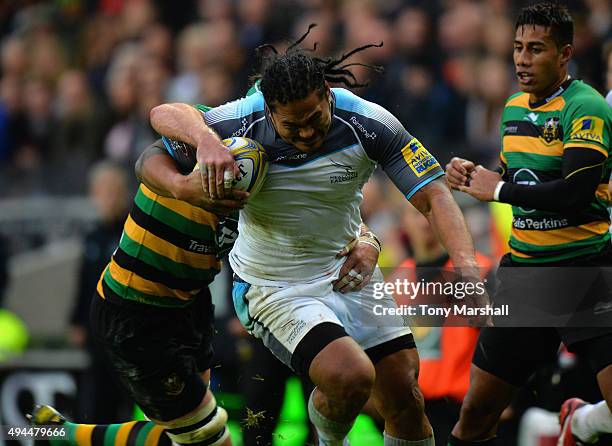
(330,433)
(134,433)
(392,441)
(454,441)
(591,420)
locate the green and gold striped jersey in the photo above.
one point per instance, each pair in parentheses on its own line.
(534,137)
(167,253)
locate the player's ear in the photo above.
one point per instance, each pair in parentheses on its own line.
(566,54)
(328,92)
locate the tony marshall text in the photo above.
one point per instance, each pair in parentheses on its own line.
(454,310)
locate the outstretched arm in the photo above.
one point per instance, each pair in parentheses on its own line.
(436,203)
(185,123)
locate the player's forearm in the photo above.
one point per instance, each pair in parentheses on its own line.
(555,196)
(159,172)
(437,204)
(448,223)
(182,122)
(581,171)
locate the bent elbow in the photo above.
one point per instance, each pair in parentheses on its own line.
(432,195)
(156,113)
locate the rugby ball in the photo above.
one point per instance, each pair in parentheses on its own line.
(252,163)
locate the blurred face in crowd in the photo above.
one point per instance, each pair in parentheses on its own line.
(14,57)
(73,94)
(541,66)
(304,123)
(110,193)
(494,82)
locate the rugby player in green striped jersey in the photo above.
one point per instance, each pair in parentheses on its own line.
(554,169)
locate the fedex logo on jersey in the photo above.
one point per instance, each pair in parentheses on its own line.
(418,158)
(588,128)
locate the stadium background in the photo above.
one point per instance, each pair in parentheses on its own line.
(78,79)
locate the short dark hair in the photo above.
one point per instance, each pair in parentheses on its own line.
(295,74)
(551,15)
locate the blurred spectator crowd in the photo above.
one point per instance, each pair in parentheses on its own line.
(79,77)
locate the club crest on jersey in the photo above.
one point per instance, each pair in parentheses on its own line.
(418,158)
(551,130)
(348,173)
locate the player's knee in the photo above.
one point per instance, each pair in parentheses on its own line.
(414,397)
(404,398)
(207,427)
(470,411)
(477,419)
(353,383)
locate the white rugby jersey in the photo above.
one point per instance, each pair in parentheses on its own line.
(308,207)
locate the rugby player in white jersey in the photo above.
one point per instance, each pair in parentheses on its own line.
(323,144)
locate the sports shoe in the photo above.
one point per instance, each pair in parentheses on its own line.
(565,420)
(45,415)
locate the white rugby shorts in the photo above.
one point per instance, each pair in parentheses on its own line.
(282,316)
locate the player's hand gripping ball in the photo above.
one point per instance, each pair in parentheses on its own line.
(250,157)
(252,163)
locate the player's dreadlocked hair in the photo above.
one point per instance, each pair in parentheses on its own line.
(551,15)
(295,74)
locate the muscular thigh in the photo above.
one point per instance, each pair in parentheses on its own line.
(283,317)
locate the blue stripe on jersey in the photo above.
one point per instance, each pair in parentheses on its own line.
(236,109)
(167,146)
(348,101)
(416,188)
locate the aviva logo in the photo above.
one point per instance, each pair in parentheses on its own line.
(588,128)
(418,158)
